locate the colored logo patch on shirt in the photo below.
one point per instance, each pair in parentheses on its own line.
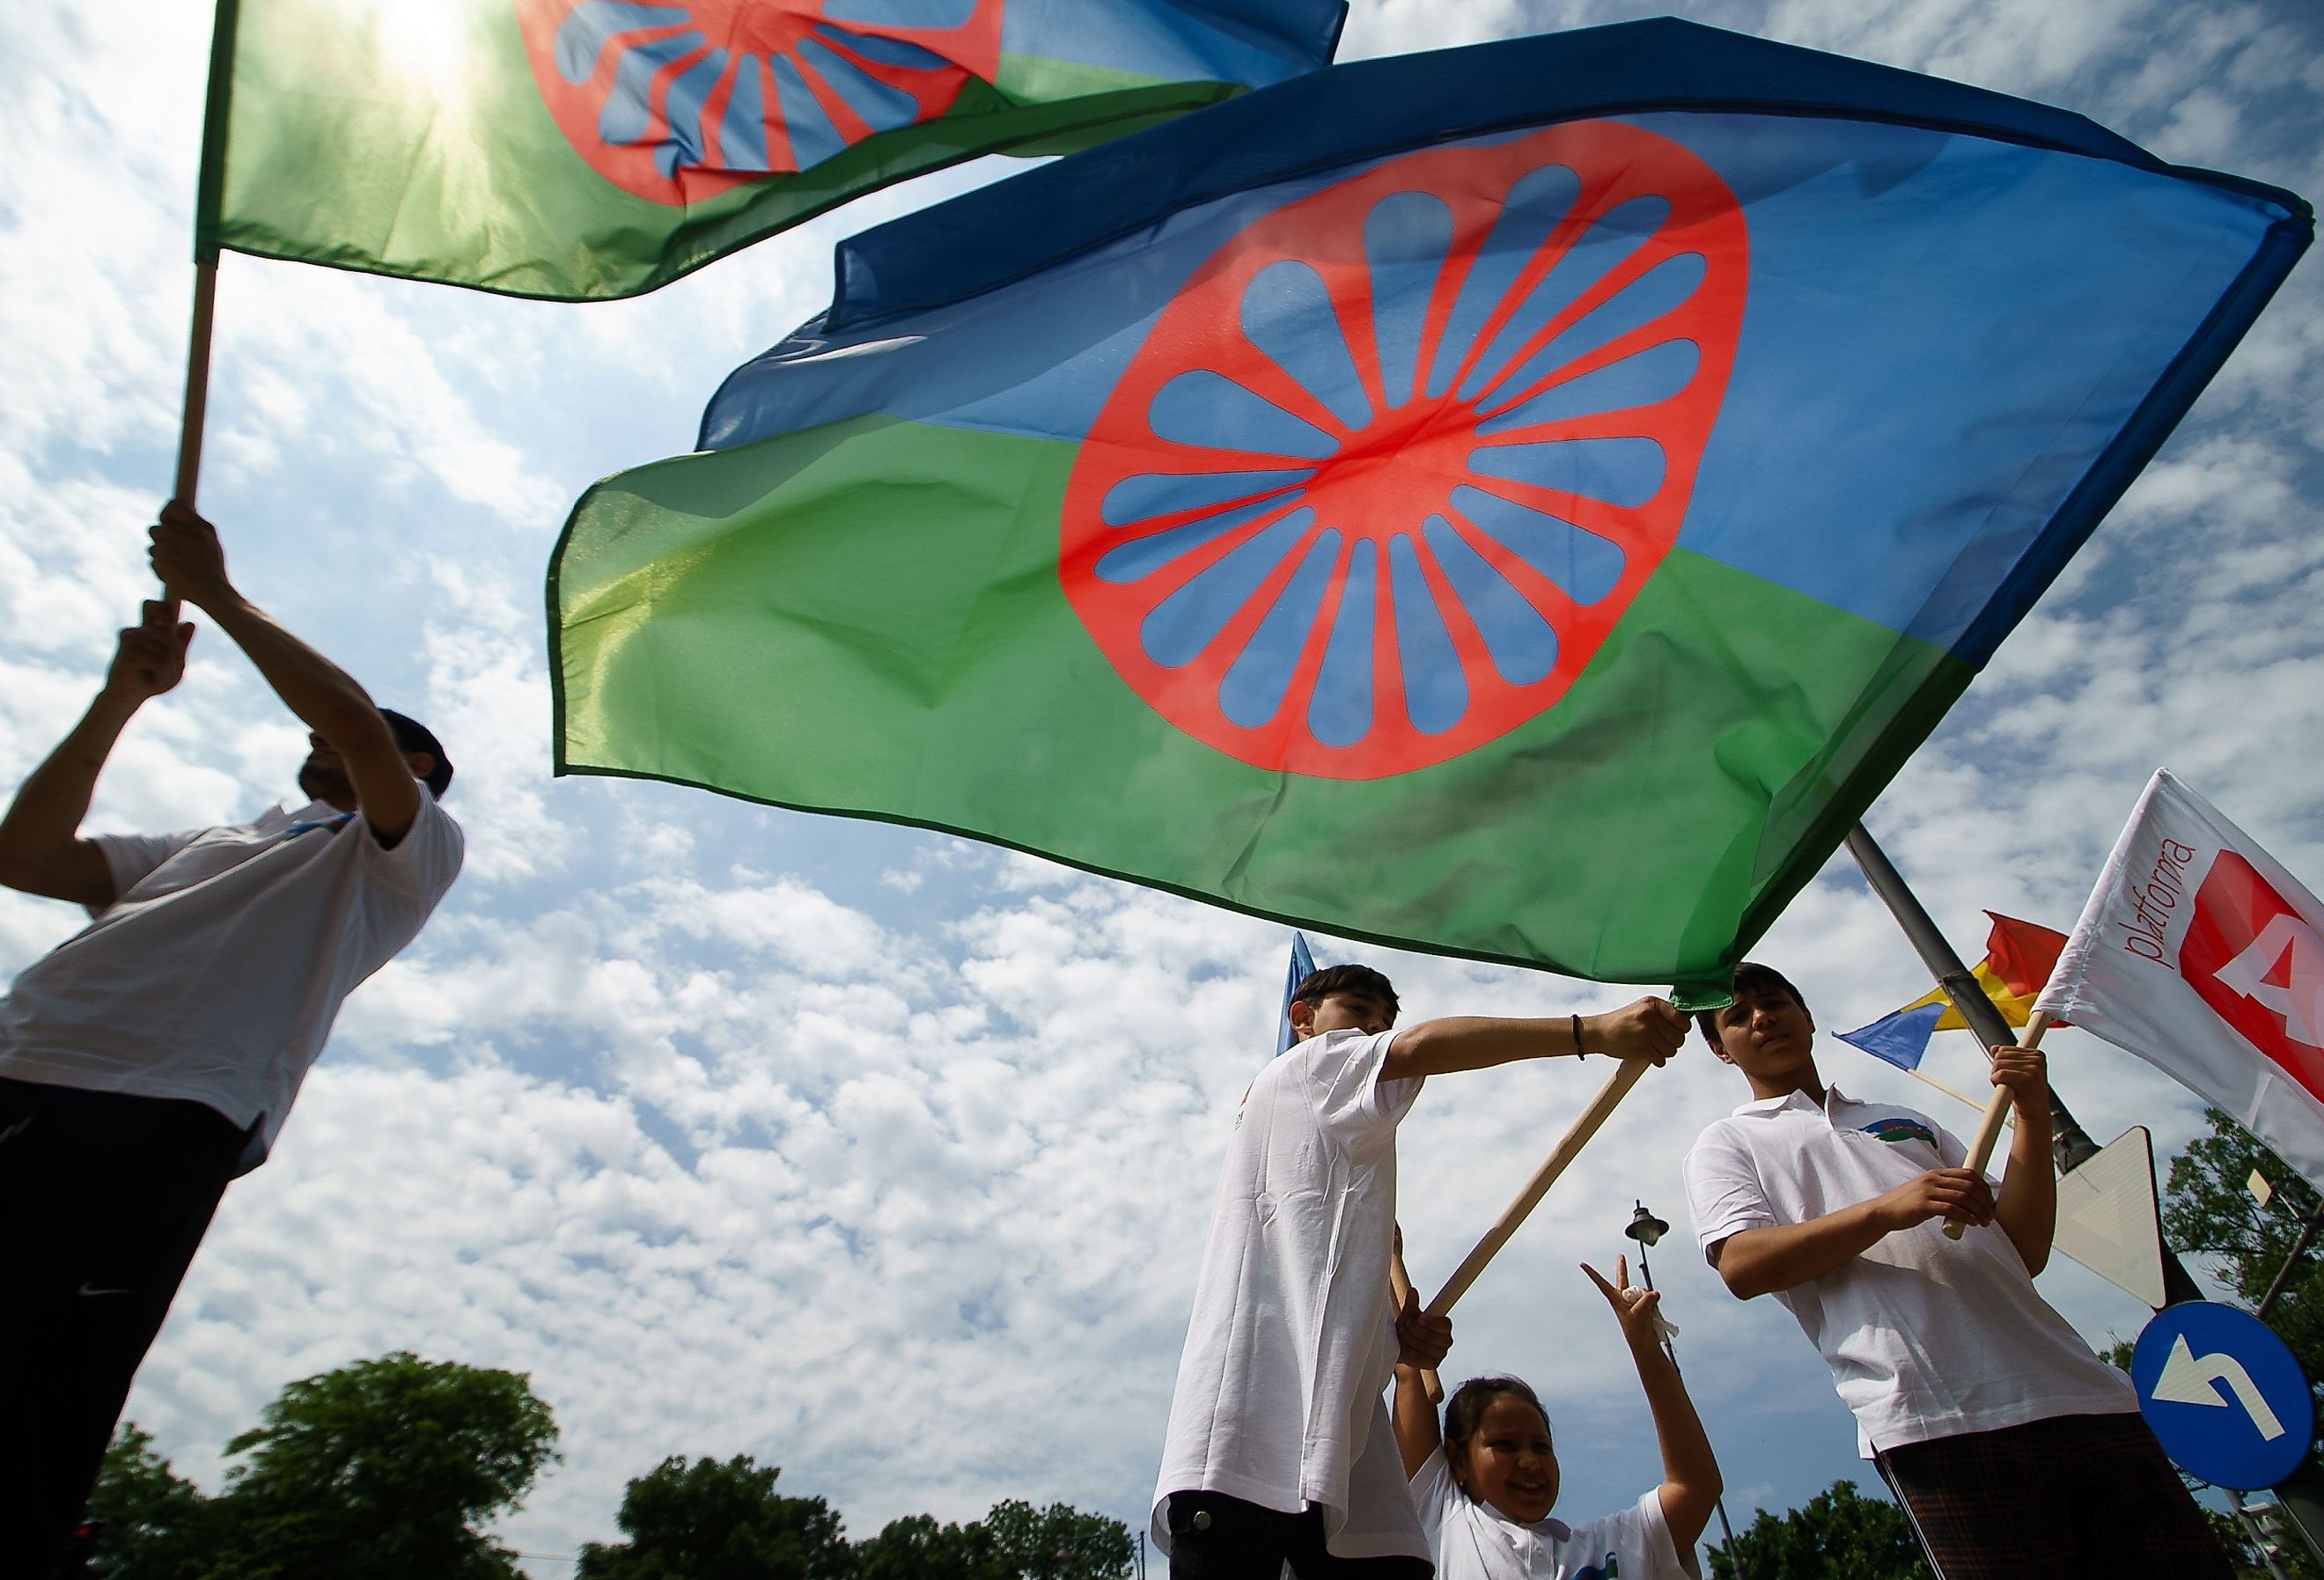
(1897,1129)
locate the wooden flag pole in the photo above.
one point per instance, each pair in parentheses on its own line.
(198,383)
(1399,1285)
(1996,1109)
(1569,1145)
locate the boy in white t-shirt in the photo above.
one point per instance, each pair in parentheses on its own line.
(1279,1449)
(150,1059)
(2012,1448)
(1486,1480)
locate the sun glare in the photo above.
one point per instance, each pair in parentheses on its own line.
(423,44)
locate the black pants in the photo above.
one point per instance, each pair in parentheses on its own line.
(103,1198)
(1213,1537)
(2066,1498)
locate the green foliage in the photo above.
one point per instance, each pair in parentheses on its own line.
(1837,1535)
(709,1521)
(378,1471)
(382,1469)
(916,1547)
(1056,1543)
(2236,1539)
(1013,1541)
(155,1525)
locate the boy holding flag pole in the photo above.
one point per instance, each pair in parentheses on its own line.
(2012,1448)
(1280,1448)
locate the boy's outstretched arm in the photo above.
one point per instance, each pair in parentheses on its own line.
(40,848)
(1647,1029)
(1691,1480)
(326,699)
(1422,1342)
(1778,1256)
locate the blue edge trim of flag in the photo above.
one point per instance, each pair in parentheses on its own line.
(1017,227)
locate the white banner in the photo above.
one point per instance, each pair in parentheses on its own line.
(2200,954)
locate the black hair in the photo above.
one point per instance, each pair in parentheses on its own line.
(411,735)
(1318,985)
(1749,977)
(1466,1408)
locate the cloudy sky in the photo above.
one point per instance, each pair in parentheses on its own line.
(876,1154)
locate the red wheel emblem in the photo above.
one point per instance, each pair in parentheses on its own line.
(1389,469)
(678,99)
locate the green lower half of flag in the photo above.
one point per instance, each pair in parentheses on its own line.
(415,141)
(867,618)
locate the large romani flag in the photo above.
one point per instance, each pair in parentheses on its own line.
(580,149)
(1521,501)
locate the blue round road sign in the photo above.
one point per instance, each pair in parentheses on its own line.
(2226,1398)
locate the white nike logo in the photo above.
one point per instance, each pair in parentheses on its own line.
(90,1292)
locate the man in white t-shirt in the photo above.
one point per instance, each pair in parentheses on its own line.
(2012,1448)
(1279,1449)
(151,1057)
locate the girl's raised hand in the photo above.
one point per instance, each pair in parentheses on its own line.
(1640,1311)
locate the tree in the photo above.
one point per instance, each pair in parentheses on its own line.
(916,1547)
(1013,1541)
(1056,1543)
(379,1471)
(1837,1535)
(709,1521)
(153,1524)
(383,1468)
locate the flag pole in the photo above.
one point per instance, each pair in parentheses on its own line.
(1996,1110)
(209,187)
(197,382)
(1577,1135)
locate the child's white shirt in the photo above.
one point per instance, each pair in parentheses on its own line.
(1473,1541)
(1292,1338)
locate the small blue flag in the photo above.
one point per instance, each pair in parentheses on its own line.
(1303,966)
(1901,1037)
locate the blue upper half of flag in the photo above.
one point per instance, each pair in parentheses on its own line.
(1253,42)
(1965,320)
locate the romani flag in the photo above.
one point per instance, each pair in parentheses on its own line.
(582,149)
(1521,501)
(2018,958)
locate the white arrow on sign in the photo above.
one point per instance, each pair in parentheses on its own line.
(2187,1380)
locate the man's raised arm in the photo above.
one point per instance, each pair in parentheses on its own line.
(327,698)
(40,848)
(1646,1028)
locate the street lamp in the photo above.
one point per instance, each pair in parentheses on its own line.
(1647,1230)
